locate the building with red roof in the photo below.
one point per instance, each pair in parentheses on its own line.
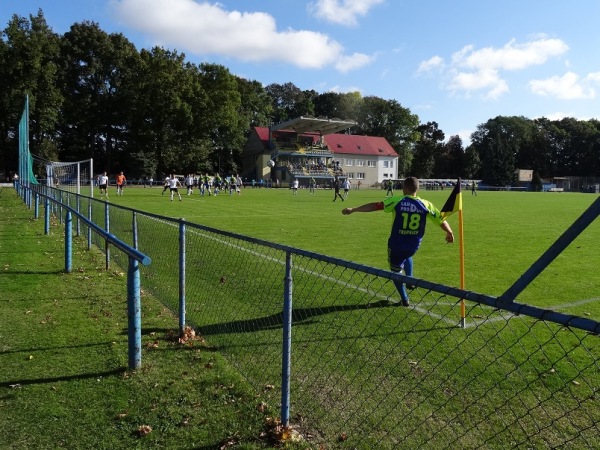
(301,149)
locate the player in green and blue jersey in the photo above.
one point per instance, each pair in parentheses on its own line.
(410,214)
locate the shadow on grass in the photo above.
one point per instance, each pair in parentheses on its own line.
(83,376)
(61,347)
(33,272)
(299,316)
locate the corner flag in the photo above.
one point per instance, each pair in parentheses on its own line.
(454,202)
(452,205)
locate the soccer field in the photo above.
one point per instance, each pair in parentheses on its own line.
(504,233)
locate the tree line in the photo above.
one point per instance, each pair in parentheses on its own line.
(149,112)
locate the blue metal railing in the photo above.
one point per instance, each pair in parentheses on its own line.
(135,257)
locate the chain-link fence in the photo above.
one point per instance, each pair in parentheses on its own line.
(363,371)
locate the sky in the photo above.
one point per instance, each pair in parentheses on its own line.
(456,62)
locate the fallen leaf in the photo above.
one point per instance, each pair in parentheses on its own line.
(144,430)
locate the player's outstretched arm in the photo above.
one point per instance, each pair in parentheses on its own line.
(367,207)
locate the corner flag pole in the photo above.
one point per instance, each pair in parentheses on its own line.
(463,309)
(452,205)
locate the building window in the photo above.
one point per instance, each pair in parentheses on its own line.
(386,164)
(349,162)
(391,164)
(371,163)
(350,176)
(360,162)
(360,176)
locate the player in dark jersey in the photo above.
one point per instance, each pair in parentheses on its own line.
(410,214)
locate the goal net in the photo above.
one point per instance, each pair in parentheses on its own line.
(74,176)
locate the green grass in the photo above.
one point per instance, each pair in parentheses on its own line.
(64,381)
(343,349)
(504,233)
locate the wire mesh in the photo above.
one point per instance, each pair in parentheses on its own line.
(366,372)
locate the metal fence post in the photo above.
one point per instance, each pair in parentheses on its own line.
(181,276)
(36,208)
(89,233)
(134,314)
(47,217)
(134,230)
(60,207)
(78,227)
(287,341)
(68,242)
(107,228)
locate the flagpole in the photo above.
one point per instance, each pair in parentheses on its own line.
(452,205)
(463,309)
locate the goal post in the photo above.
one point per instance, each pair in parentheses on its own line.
(76,176)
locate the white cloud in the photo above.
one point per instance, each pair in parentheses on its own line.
(433,63)
(510,57)
(486,80)
(341,12)
(204,28)
(356,60)
(568,87)
(480,70)
(594,76)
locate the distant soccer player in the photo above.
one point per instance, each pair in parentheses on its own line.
(408,227)
(311,185)
(121,180)
(336,189)
(189,184)
(346,186)
(103,185)
(166,184)
(173,183)
(390,188)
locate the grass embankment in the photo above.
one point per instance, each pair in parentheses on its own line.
(64,381)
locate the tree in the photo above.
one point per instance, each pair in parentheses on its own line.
(328,104)
(289,101)
(581,147)
(498,143)
(255,103)
(162,116)
(548,142)
(472,163)
(98,70)
(343,106)
(455,152)
(389,119)
(30,55)
(225,126)
(428,151)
